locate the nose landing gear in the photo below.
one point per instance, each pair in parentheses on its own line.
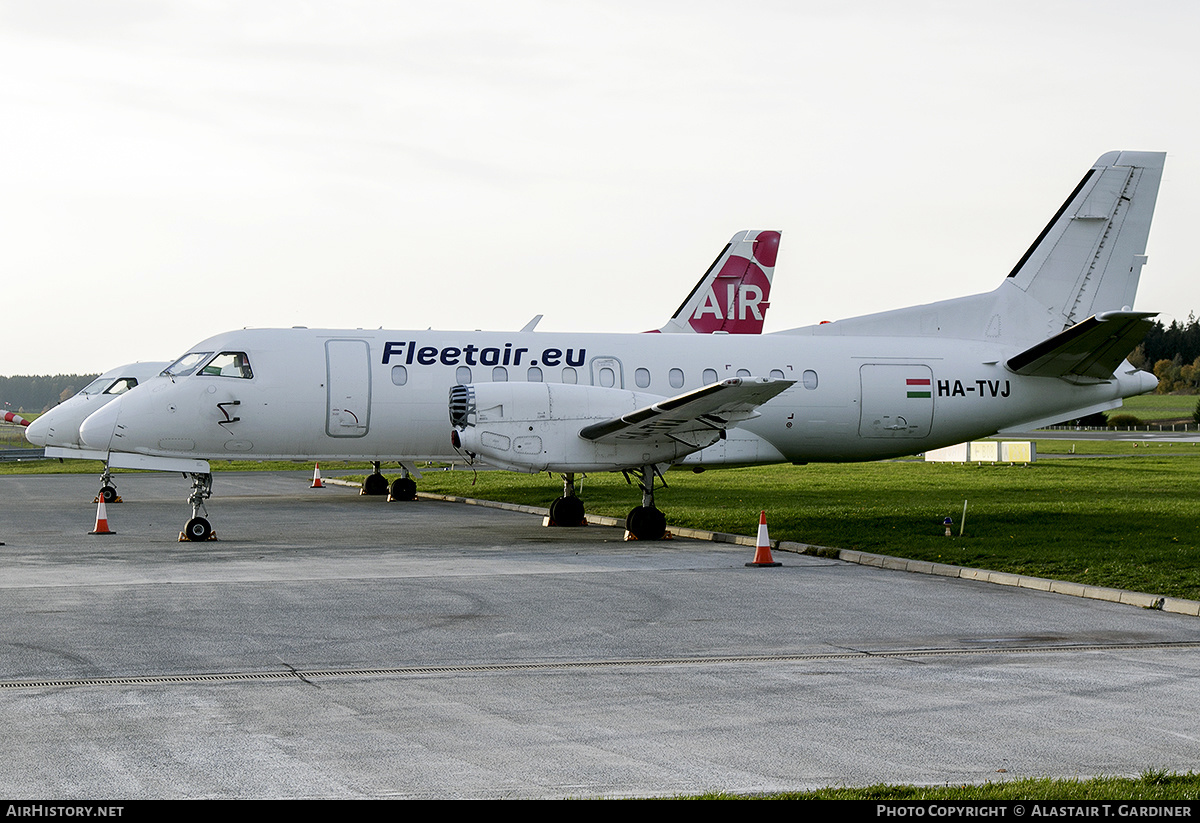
(108,491)
(198,528)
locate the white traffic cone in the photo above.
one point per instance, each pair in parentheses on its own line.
(317,484)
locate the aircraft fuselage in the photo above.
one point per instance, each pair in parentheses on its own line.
(318,394)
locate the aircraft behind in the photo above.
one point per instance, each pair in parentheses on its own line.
(734,294)
(1047,344)
(58,428)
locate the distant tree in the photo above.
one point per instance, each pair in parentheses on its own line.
(1137,358)
(38,392)
(1167,372)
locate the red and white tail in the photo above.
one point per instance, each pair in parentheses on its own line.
(733,295)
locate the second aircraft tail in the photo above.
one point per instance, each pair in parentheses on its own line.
(733,295)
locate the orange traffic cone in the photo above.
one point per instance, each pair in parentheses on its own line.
(101,519)
(762,554)
(317,484)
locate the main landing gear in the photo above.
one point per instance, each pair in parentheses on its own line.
(402,488)
(643,523)
(646,522)
(568,509)
(198,528)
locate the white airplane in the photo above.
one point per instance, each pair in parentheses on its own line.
(58,428)
(731,297)
(1047,344)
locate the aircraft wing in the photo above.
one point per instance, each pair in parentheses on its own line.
(1091,348)
(705,411)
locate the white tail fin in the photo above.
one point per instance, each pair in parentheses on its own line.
(1089,257)
(1087,261)
(733,295)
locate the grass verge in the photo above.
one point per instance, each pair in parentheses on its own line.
(1149,786)
(1122,522)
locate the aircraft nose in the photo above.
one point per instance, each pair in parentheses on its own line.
(39,431)
(97,430)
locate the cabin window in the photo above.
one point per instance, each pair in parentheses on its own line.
(229,364)
(743,372)
(569,375)
(809,378)
(642,378)
(675,376)
(499,375)
(608,377)
(709,376)
(462,374)
(534,375)
(776,374)
(399,375)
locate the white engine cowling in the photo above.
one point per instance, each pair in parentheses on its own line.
(535,427)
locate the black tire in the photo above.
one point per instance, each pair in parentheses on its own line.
(403,488)
(567,511)
(108,494)
(646,523)
(375,484)
(197,529)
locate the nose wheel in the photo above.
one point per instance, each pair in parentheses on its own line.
(198,528)
(108,492)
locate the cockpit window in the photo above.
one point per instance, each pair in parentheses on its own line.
(121,385)
(186,364)
(106,385)
(96,386)
(229,364)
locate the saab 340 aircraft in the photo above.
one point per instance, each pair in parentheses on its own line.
(1047,344)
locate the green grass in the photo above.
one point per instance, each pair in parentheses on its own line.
(1150,786)
(1151,407)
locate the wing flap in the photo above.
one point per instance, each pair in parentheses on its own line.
(1091,348)
(709,409)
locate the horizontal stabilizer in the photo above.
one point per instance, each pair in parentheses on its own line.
(1093,348)
(709,409)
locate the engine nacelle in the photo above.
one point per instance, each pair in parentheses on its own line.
(535,427)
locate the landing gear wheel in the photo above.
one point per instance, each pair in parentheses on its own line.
(646,523)
(403,488)
(374,484)
(197,529)
(108,494)
(567,511)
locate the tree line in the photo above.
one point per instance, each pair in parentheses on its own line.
(1172,353)
(39,392)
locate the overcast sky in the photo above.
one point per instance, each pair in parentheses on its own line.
(171,169)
